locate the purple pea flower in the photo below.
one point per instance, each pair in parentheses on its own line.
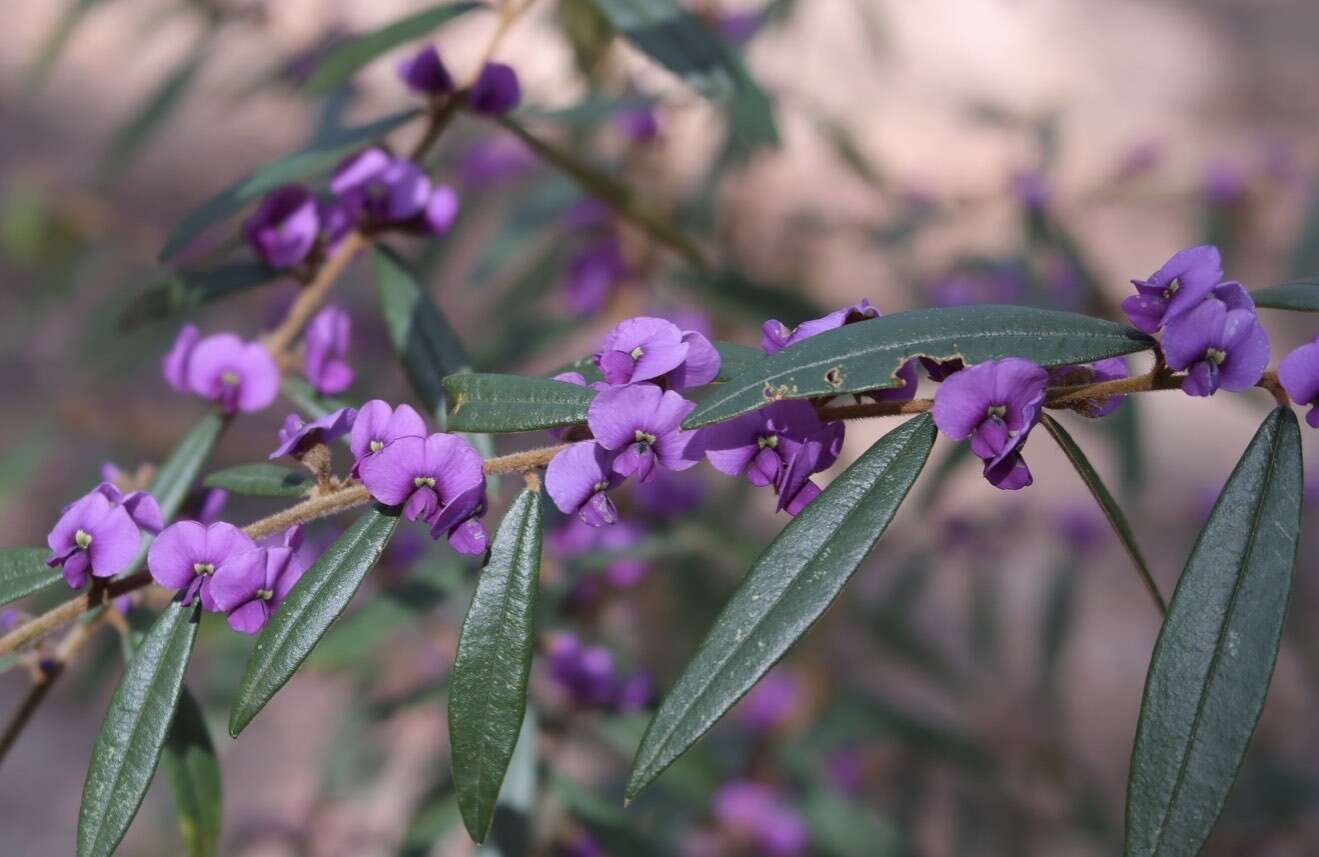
(174,366)
(1031,189)
(496,90)
(187,554)
(1175,289)
(586,673)
(1220,343)
(250,586)
(641,349)
(577,479)
(240,376)
(1109,369)
(378,425)
(387,189)
(641,423)
(298,436)
(493,160)
(327,340)
(284,227)
(756,812)
(995,404)
(776,336)
(592,273)
(773,702)
(210,505)
(759,444)
(1299,374)
(100,533)
(424,73)
(441,210)
(437,479)
(816,453)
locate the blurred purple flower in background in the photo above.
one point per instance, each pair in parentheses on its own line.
(493,159)
(585,672)
(327,338)
(640,124)
(496,90)
(757,813)
(239,376)
(772,702)
(424,73)
(283,230)
(592,274)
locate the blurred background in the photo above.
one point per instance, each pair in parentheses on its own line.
(973,692)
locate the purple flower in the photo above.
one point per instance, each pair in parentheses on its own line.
(1175,289)
(496,90)
(1299,374)
(774,701)
(297,436)
(425,74)
(100,533)
(636,693)
(378,425)
(174,366)
(389,190)
(250,586)
(592,273)
(1220,343)
(494,159)
(817,452)
(240,376)
(437,479)
(641,423)
(1031,189)
(995,404)
(577,480)
(638,124)
(759,444)
(1108,369)
(1223,184)
(757,813)
(210,505)
(327,340)
(586,673)
(186,555)
(652,349)
(907,375)
(441,210)
(776,336)
(283,229)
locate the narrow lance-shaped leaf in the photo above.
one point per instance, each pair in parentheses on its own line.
(260,480)
(866,355)
(488,694)
(133,732)
(785,592)
(1214,658)
(511,831)
(340,63)
(422,338)
(193,773)
(297,166)
(1108,505)
(24,571)
(180,291)
(1299,296)
(508,403)
(175,477)
(307,612)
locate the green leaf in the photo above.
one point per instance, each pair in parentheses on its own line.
(787,589)
(488,694)
(865,355)
(307,612)
(181,291)
(1107,504)
(507,403)
(510,832)
(1214,658)
(319,156)
(611,191)
(24,571)
(193,773)
(342,62)
(679,41)
(1299,296)
(260,480)
(133,732)
(174,478)
(422,338)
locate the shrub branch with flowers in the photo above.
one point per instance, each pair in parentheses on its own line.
(657,398)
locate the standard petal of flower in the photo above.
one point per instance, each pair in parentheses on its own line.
(469,538)
(224,540)
(174,552)
(260,378)
(1188,337)
(174,366)
(615,414)
(115,543)
(389,474)
(1299,373)
(238,579)
(1247,357)
(572,476)
(961,402)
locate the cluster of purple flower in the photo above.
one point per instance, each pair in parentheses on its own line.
(238,375)
(588,677)
(100,533)
(1210,328)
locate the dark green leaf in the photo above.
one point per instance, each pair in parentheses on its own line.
(741,294)
(679,41)
(260,480)
(613,827)
(193,773)
(174,478)
(488,695)
(507,403)
(341,62)
(865,355)
(133,732)
(421,336)
(784,593)
(1298,296)
(307,612)
(298,166)
(1107,504)
(182,291)
(24,571)
(1214,658)
(511,830)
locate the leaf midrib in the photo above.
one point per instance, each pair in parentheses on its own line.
(1228,613)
